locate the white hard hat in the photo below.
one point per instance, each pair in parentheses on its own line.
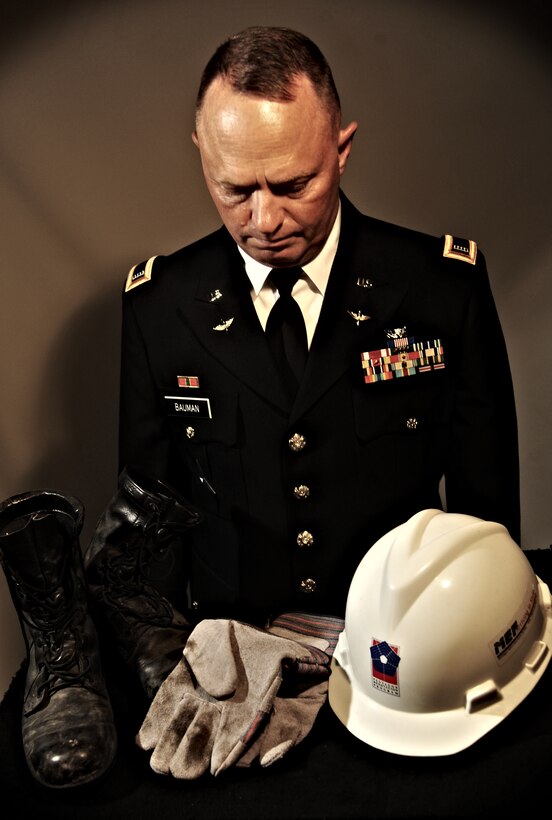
(447,630)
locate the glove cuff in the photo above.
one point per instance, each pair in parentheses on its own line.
(305,626)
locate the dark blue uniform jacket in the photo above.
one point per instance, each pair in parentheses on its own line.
(294,496)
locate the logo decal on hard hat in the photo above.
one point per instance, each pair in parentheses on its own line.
(385,667)
(505,641)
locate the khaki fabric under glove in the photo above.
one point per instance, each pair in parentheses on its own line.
(216,703)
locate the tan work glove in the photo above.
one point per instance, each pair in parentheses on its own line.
(301,695)
(216,702)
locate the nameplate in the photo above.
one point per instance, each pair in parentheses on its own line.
(188,406)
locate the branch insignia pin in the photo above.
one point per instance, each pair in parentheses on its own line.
(358,316)
(224,325)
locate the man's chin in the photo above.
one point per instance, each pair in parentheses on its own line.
(276,256)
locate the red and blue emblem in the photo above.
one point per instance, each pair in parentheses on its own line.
(385,667)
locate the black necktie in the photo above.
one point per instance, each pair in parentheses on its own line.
(285,328)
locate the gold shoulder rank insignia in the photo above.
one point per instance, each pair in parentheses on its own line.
(456,248)
(139,274)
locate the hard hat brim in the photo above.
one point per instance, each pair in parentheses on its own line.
(404,733)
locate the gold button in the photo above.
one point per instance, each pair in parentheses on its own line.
(190,432)
(302,491)
(308,585)
(297,442)
(195,605)
(305,539)
(411,424)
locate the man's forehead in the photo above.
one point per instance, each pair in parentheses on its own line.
(224,103)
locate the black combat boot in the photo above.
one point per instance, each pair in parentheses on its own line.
(139,524)
(69,736)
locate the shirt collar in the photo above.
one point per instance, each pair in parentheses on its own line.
(318,270)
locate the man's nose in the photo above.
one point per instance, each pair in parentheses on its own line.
(266,212)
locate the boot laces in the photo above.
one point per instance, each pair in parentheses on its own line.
(56,621)
(127,583)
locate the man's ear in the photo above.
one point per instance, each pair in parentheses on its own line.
(345,143)
(195,139)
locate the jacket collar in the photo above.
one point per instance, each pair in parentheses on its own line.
(362,294)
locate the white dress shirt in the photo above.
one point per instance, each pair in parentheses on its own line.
(308,291)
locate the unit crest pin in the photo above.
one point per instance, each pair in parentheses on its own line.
(396,333)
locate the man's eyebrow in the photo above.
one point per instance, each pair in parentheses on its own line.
(286,183)
(235,186)
(277,183)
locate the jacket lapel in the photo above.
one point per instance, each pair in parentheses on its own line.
(225,322)
(360,300)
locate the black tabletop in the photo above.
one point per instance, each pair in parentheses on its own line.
(331,774)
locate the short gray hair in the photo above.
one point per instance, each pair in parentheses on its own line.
(266,61)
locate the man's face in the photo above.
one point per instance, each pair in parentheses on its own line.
(273,170)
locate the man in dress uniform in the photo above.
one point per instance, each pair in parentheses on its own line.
(304,437)
(297,384)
